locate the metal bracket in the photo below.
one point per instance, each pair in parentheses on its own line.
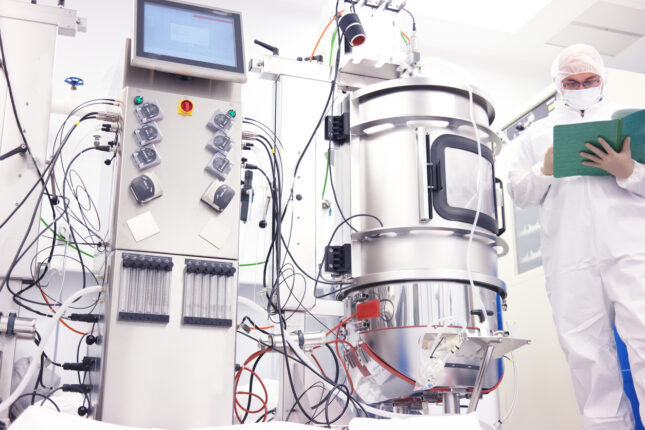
(433,177)
(425,209)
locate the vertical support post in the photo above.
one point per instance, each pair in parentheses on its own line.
(287,400)
(451,403)
(477,389)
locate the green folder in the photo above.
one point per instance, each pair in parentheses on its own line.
(569,141)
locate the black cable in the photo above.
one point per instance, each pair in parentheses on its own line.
(317,384)
(85,222)
(268,152)
(53,302)
(299,361)
(277,144)
(71,230)
(22,133)
(272,411)
(304,272)
(329,243)
(333,190)
(35,211)
(65,200)
(19,256)
(336,363)
(78,356)
(277,253)
(262,126)
(414,22)
(86,396)
(248,403)
(270,297)
(307,311)
(295,359)
(36,283)
(91,205)
(45,397)
(275,200)
(265,177)
(266,145)
(329,398)
(293,275)
(271,149)
(329,97)
(59,156)
(254,325)
(42,179)
(274,255)
(38,380)
(13,107)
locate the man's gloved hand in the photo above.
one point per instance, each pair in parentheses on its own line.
(619,164)
(547,167)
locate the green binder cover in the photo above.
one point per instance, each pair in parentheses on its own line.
(569,141)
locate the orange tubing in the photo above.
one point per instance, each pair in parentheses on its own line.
(60,320)
(340,324)
(323,33)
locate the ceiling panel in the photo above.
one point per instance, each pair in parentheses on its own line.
(607,42)
(614,17)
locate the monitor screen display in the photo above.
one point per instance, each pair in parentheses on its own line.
(189,35)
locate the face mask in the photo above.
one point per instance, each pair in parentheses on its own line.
(582,99)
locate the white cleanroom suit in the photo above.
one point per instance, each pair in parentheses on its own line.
(593,251)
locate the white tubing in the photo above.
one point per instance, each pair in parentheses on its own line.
(35,358)
(466,80)
(515,393)
(251,304)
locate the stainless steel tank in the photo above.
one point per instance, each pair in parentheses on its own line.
(414,165)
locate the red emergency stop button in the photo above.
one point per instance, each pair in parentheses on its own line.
(185,107)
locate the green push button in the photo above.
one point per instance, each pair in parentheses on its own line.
(232,113)
(138,100)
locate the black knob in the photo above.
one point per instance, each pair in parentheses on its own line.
(82,411)
(263,224)
(298,197)
(90,339)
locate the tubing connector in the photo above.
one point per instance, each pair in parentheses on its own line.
(13,325)
(108,116)
(305,341)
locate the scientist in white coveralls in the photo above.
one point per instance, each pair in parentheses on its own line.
(593,243)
